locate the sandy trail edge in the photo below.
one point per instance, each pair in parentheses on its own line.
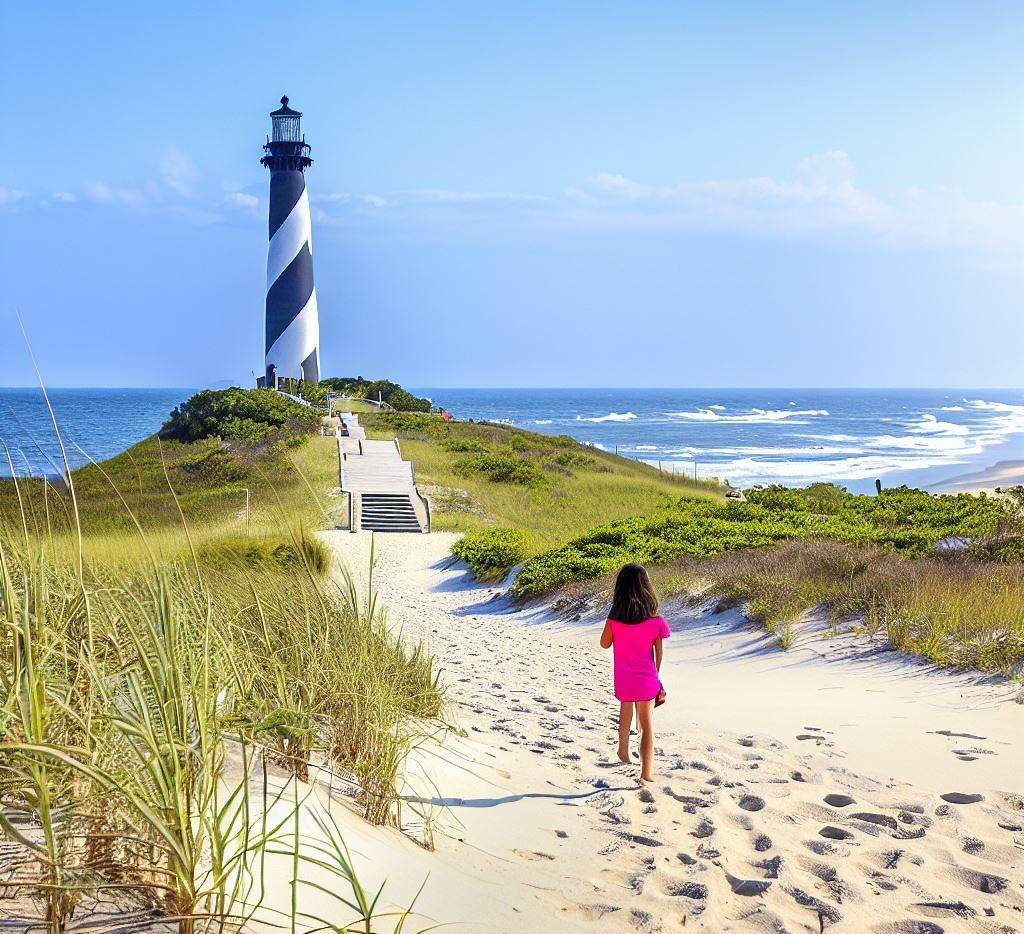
(537,828)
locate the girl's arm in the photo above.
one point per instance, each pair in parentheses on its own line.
(606,636)
(657,653)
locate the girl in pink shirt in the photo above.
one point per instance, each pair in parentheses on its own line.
(635,631)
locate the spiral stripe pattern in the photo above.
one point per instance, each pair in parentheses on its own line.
(293,325)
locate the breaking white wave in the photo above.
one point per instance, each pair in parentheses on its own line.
(646,447)
(930,425)
(929,442)
(750,470)
(810,450)
(543,421)
(755,415)
(610,417)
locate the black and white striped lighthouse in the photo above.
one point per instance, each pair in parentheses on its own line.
(293,326)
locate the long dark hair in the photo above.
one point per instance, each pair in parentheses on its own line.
(634,599)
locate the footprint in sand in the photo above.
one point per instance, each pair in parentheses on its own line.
(533,854)
(980,881)
(960,797)
(880,820)
(751,803)
(835,833)
(771,867)
(747,887)
(705,828)
(839,801)
(686,889)
(826,913)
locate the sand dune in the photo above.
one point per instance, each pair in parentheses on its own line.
(831,787)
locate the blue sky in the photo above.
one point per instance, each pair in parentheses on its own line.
(534,194)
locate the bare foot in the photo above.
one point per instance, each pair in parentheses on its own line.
(646,778)
(624,756)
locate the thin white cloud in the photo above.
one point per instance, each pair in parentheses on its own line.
(823,198)
(9,196)
(102,193)
(447,196)
(243,200)
(179,173)
(65,197)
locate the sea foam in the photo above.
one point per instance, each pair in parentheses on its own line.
(610,417)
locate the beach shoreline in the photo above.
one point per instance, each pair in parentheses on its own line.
(1002,473)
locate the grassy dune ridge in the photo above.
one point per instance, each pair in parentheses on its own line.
(152,661)
(941,576)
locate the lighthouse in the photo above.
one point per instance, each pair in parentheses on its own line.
(292,324)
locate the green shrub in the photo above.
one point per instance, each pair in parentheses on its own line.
(574,459)
(382,390)
(909,521)
(407,422)
(248,415)
(491,552)
(466,445)
(215,465)
(500,468)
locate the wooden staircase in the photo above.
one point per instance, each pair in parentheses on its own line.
(382,491)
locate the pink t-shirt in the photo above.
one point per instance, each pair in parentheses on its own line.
(636,677)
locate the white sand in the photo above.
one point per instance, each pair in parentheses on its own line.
(539,829)
(999,474)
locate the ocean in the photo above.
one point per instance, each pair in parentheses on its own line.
(747,436)
(791,436)
(94,423)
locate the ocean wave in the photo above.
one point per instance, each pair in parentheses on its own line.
(749,470)
(646,447)
(930,425)
(807,450)
(610,417)
(543,421)
(755,415)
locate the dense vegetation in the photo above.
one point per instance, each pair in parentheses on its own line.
(909,521)
(491,552)
(247,415)
(550,488)
(377,390)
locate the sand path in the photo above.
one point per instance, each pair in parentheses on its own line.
(796,791)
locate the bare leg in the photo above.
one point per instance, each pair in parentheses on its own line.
(645,714)
(625,722)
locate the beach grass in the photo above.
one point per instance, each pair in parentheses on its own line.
(161,650)
(954,611)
